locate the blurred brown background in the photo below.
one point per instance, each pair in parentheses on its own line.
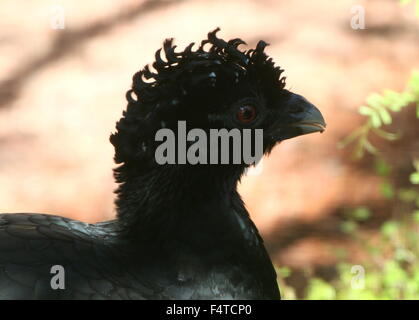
(62,91)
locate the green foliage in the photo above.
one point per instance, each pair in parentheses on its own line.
(361,213)
(287,292)
(319,289)
(386,189)
(378,111)
(390,272)
(389,267)
(414,177)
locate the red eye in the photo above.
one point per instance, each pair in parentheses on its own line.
(246,114)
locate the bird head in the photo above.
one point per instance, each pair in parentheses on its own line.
(216,86)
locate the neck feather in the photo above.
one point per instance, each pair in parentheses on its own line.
(175,201)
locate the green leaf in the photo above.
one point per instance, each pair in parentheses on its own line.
(394,275)
(379,102)
(359,151)
(395,101)
(320,290)
(348,226)
(375,120)
(414,81)
(372,114)
(382,167)
(414,178)
(387,190)
(367,145)
(385,116)
(386,135)
(389,228)
(375,100)
(284,272)
(361,213)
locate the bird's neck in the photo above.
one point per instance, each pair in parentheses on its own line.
(175,201)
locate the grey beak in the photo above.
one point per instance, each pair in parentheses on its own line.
(299,117)
(305,116)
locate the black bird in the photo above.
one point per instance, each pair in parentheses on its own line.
(182,230)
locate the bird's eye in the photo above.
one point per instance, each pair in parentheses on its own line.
(246,114)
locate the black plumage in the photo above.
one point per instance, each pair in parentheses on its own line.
(182,231)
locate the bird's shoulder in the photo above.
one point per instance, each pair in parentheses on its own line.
(36,247)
